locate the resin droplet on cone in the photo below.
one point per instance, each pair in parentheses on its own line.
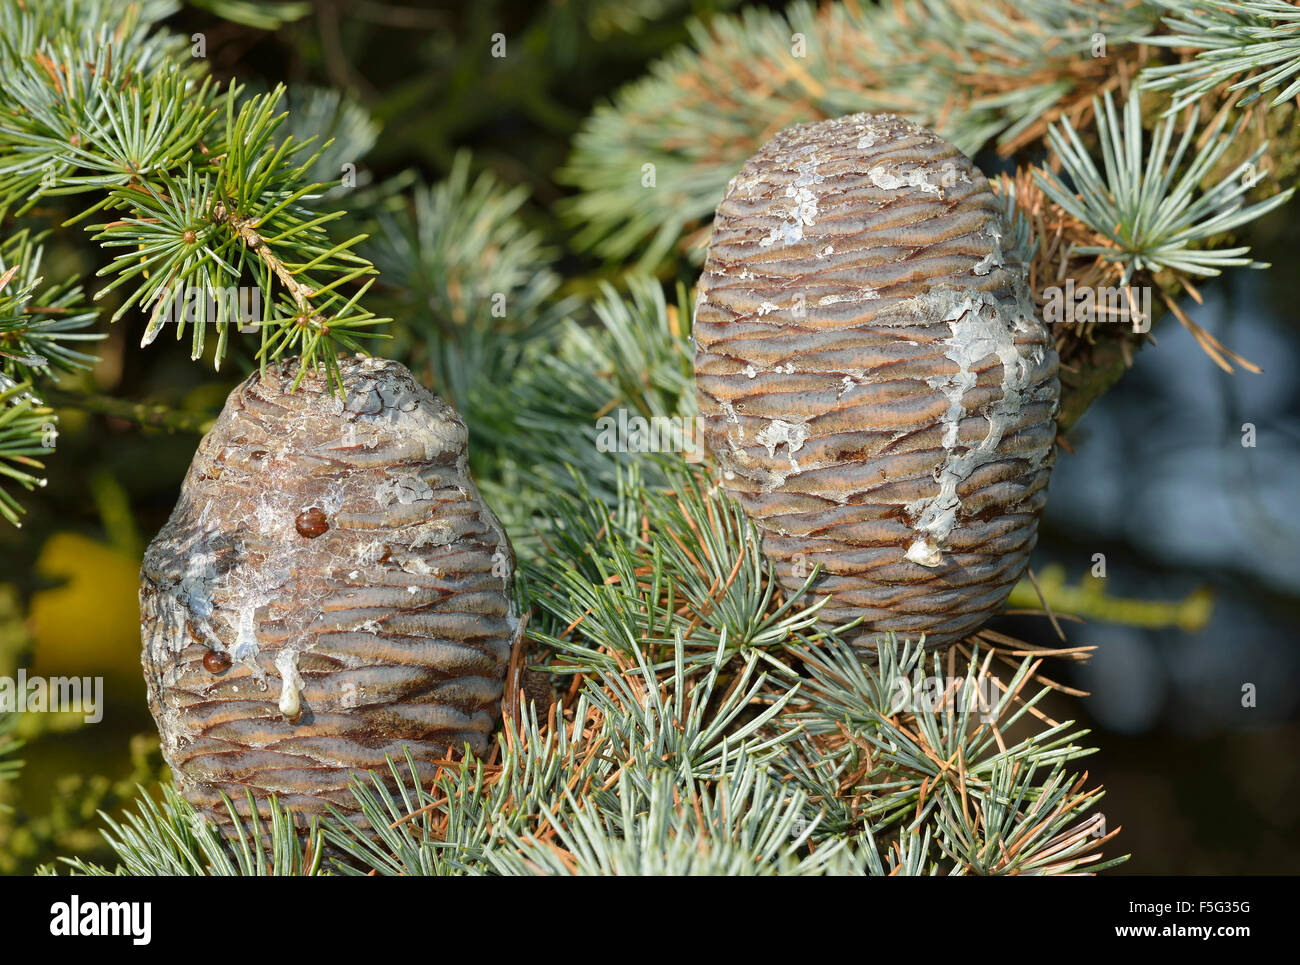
(330,589)
(875,382)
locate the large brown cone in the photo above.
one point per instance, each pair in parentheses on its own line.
(874,380)
(330,589)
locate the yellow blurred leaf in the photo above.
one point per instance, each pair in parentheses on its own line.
(90,624)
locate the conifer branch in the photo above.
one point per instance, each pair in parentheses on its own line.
(1148,204)
(209,196)
(1234,46)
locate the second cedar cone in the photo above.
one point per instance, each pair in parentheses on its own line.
(330,590)
(874,380)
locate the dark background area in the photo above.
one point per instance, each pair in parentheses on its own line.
(1159,481)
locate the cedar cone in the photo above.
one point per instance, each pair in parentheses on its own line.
(330,590)
(874,380)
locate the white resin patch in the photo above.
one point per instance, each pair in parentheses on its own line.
(980,327)
(778,432)
(286,661)
(887,180)
(803,212)
(994,258)
(864,294)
